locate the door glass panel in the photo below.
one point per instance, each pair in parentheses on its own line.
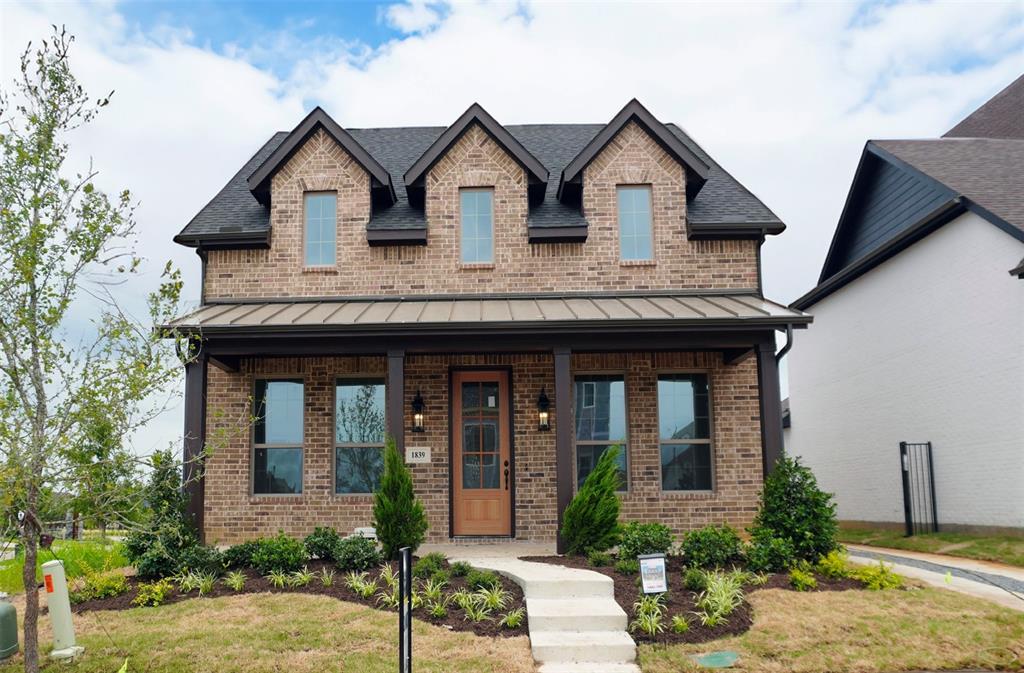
(491,477)
(489,399)
(470,436)
(489,434)
(470,399)
(470,470)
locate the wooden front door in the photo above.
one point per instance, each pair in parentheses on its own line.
(481,454)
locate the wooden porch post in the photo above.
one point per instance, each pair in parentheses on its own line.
(563,436)
(195,440)
(771,405)
(394,393)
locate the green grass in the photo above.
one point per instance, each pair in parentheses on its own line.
(1000,548)
(265,633)
(78,557)
(861,632)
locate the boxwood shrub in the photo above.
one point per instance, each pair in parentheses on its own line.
(711,547)
(280,553)
(321,543)
(357,553)
(644,538)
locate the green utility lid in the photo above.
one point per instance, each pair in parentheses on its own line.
(723,659)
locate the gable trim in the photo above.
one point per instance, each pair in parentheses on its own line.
(570,186)
(382,190)
(415,177)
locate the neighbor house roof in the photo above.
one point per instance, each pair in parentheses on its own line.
(1001,117)
(722,208)
(508,313)
(905,189)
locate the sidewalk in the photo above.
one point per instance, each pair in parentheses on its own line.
(995,582)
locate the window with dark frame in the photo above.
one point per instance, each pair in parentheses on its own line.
(600,421)
(684,430)
(278,436)
(359,427)
(321,213)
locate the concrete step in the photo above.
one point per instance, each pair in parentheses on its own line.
(595,647)
(570,588)
(581,614)
(588,667)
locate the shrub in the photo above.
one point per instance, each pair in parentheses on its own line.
(695,579)
(794,508)
(495,598)
(878,577)
(711,547)
(201,559)
(301,578)
(724,594)
(437,609)
(278,579)
(206,583)
(599,559)
(240,555)
(100,585)
(767,553)
(459,569)
(356,553)
(482,579)
(235,580)
(627,566)
(156,547)
(152,594)
(591,521)
(397,515)
(644,538)
(834,565)
(477,612)
(680,624)
(648,623)
(802,580)
(280,553)
(513,619)
(326,577)
(441,576)
(321,543)
(428,565)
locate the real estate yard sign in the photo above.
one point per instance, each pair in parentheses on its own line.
(652,573)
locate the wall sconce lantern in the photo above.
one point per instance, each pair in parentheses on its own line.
(417,413)
(543,414)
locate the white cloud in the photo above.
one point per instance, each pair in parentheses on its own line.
(783,96)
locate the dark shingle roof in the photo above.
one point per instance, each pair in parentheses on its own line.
(235,210)
(989,172)
(1001,117)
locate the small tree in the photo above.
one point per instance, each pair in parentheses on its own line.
(397,515)
(795,509)
(591,521)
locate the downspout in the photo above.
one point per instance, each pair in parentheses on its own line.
(202,275)
(789,344)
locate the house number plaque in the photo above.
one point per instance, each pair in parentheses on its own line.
(417,454)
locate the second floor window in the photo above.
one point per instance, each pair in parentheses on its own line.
(278,436)
(635,237)
(321,228)
(476,209)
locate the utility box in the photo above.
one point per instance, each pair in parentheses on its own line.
(59,605)
(8,628)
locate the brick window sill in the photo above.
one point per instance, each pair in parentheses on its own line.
(637,262)
(688,495)
(326,270)
(477,266)
(289,498)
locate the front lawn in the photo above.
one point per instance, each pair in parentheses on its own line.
(293,632)
(1000,548)
(862,632)
(78,557)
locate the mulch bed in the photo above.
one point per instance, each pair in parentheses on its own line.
(681,601)
(256,583)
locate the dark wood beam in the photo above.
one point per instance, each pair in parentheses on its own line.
(195,441)
(563,436)
(394,393)
(227,363)
(734,356)
(771,406)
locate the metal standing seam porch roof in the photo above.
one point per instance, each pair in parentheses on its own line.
(493,313)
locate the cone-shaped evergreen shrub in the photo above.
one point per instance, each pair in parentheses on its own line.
(397,515)
(591,521)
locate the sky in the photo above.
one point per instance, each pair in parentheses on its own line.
(782,95)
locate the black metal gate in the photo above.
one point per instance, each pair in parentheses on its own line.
(918,488)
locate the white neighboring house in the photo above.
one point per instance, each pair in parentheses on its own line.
(918,329)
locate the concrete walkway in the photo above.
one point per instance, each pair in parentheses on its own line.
(995,582)
(575,624)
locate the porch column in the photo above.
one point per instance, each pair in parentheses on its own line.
(771,405)
(195,440)
(394,393)
(563,436)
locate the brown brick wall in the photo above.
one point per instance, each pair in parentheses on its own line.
(232,515)
(476,161)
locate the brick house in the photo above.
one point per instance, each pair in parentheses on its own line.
(506,302)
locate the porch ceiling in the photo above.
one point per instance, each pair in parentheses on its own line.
(408,315)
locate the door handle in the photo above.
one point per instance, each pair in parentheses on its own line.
(506,475)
